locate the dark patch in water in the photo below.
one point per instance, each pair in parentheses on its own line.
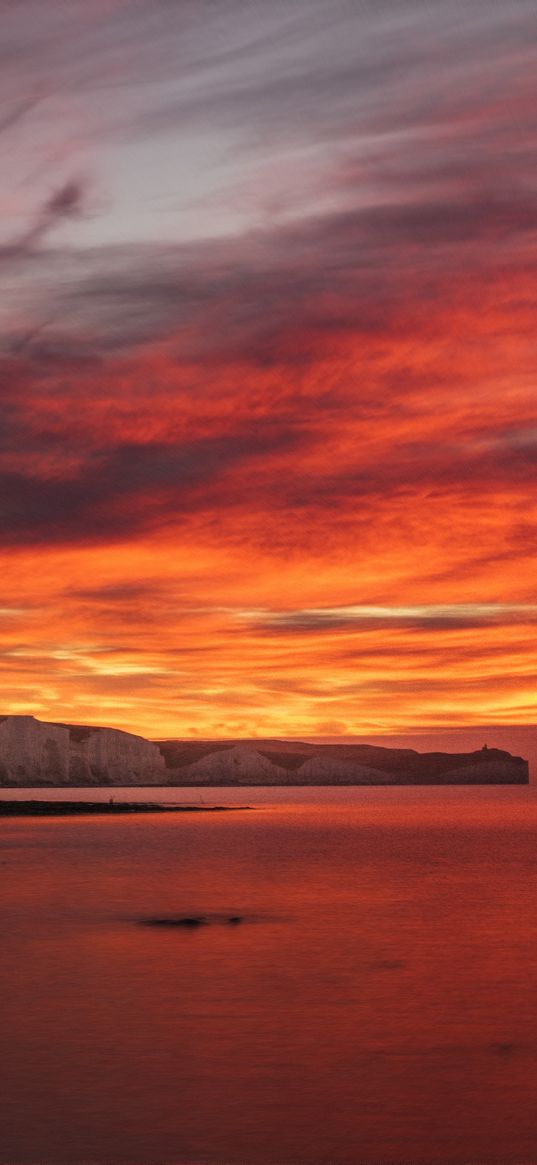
(502,1049)
(191,921)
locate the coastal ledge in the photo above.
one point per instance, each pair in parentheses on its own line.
(100,808)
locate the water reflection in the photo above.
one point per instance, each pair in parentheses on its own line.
(382,1009)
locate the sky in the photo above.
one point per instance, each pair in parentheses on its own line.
(268,423)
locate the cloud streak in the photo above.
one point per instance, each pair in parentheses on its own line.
(433,617)
(64,203)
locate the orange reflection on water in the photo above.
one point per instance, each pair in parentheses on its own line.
(376,1004)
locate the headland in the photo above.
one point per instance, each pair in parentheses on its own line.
(35,753)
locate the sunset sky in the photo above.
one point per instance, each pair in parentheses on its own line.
(268,350)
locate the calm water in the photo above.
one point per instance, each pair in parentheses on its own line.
(377,1007)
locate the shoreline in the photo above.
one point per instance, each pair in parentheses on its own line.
(213,787)
(100,808)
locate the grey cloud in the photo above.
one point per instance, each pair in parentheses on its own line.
(120,593)
(431,110)
(65,202)
(269,72)
(455,617)
(19,111)
(125,489)
(350,269)
(348,70)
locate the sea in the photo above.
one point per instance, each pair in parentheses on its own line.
(376,1004)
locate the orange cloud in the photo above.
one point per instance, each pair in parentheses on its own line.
(165,540)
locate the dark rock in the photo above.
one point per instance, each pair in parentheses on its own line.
(190,921)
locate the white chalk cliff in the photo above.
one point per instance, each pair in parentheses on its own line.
(241,765)
(244,765)
(325,770)
(299,763)
(36,753)
(33,752)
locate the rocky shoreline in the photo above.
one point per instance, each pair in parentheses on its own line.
(100,808)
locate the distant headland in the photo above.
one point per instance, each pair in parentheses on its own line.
(36,753)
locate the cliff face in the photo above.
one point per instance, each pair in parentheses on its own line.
(36,753)
(300,763)
(326,770)
(240,765)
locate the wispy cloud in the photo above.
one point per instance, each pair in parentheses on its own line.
(427,617)
(64,203)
